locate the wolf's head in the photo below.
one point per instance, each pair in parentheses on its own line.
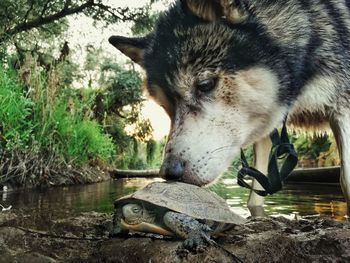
(218,75)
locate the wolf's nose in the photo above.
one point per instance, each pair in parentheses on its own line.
(173,168)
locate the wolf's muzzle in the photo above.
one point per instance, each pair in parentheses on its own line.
(173,168)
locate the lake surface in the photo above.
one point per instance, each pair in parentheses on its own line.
(52,203)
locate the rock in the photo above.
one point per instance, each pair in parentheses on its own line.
(6,217)
(11,236)
(33,258)
(137,250)
(85,239)
(5,253)
(260,240)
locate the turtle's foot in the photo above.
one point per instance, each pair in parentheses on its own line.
(195,233)
(197,241)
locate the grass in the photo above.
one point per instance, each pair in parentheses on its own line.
(35,123)
(15,111)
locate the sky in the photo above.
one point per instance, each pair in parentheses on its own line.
(82,32)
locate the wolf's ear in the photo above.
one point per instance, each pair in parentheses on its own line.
(134,48)
(233,11)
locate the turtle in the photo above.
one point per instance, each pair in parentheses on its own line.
(175,209)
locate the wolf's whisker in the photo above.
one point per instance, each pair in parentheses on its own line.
(222,148)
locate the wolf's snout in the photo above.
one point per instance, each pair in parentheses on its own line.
(173,168)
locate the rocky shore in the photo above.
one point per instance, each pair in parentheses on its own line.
(85,239)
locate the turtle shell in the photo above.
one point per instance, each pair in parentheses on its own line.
(187,199)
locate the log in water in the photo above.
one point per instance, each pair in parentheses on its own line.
(315,175)
(118,173)
(302,175)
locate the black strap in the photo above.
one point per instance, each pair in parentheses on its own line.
(282,160)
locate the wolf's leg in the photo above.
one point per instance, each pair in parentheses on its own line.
(340,125)
(261,157)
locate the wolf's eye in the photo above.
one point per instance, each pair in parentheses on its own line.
(206,85)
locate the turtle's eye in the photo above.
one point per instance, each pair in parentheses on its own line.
(206,85)
(136,209)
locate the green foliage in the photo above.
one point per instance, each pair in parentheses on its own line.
(316,149)
(15,15)
(123,97)
(48,16)
(128,148)
(310,147)
(122,85)
(63,127)
(76,137)
(41,112)
(3,54)
(144,24)
(128,158)
(92,64)
(15,110)
(313,150)
(67,72)
(236,164)
(155,152)
(151,150)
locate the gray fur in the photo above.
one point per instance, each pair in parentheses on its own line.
(268,58)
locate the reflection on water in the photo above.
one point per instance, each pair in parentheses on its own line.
(305,200)
(67,201)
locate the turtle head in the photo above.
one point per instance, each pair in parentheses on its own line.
(137,217)
(137,212)
(133,213)
(126,217)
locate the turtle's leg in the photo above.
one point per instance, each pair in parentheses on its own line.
(196,234)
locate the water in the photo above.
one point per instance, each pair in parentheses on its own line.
(59,202)
(302,199)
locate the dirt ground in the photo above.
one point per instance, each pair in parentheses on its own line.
(85,239)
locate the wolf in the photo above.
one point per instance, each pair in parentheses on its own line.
(228,72)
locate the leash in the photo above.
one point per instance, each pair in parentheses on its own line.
(282,160)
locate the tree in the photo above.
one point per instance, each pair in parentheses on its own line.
(123,97)
(23,15)
(64,123)
(92,65)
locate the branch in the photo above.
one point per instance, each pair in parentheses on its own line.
(44,8)
(122,14)
(108,10)
(40,21)
(66,4)
(28,11)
